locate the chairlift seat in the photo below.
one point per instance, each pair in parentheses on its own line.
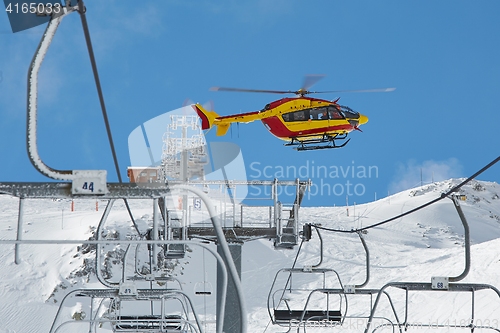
(203,288)
(175,251)
(309,315)
(147,322)
(286,241)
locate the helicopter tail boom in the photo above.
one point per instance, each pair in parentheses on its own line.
(211,118)
(207,117)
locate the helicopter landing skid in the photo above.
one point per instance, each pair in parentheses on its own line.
(326,142)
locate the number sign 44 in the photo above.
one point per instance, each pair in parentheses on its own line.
(89,182)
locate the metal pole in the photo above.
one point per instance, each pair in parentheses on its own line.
(367,261)
(472,308)
(17,258)
(184,172)
(98,232)
(275,199)
(320,248)
(233,195)
(232,314)
(241,215)
(155,234)
(166,221)
(467,241)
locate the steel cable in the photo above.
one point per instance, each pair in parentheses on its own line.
(443,195)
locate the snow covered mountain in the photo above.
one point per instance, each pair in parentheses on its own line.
(413,248)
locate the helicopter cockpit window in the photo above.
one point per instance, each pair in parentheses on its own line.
(348,112)
(334,112)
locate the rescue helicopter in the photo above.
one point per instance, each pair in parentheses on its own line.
(306,123)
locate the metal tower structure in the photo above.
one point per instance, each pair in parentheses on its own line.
(184,154)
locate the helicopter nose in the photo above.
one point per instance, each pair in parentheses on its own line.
(363,119)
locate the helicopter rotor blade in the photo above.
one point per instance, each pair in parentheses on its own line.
(208,105)
(310,80)
(252,90)
(353,91)
(188,101)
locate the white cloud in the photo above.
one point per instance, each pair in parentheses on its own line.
(412,173)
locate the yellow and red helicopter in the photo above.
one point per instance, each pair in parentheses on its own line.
(305,122)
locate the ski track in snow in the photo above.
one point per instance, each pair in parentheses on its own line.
(413,248)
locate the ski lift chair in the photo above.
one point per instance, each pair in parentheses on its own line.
(140,311)
(203,288)
(280,311)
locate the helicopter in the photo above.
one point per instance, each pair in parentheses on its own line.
(306,123)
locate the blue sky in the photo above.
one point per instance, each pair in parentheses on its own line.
(442,56)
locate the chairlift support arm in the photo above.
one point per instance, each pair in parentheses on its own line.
(461,214)
(32,101)
(83,181)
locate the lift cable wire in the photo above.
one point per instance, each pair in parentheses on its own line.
(82,10)
(443,195)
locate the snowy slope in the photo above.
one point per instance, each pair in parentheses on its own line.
(413,248)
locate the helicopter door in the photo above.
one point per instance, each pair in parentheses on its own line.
(318,114)
(334,113)
(320,119)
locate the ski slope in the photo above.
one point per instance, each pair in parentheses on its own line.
(414,248)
